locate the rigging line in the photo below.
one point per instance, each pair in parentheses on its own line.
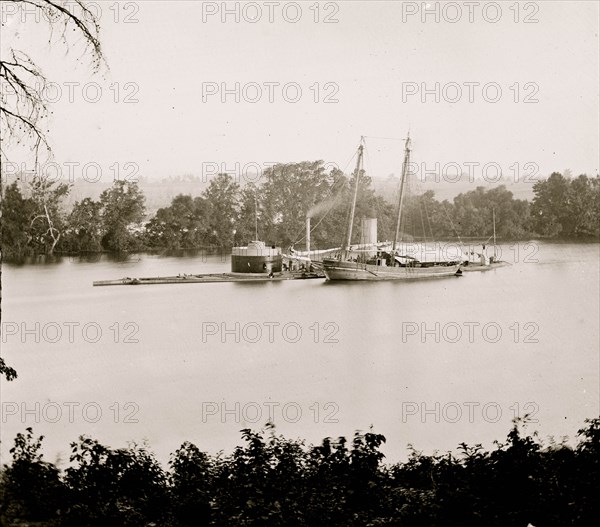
(454,228)
(486,241)
(428,221)
(322,218)
(422,222)
(350,161)
(329,209)
(333,201)
(299,238)
(329,193)
(368,159)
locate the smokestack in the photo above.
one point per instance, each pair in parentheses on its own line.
(308,235)
(369,230)
(369,233)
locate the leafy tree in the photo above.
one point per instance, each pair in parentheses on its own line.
(84,232)
(192,479)
(9,373)
(425,217)
(31,488)
(223,200)
(567,207)
(251,214)
(474,210)
(259,484)
(122,487)
(48,222)
(330,213)
(273,481)
(16,214)
(182,225)
(122,210)
(550,206)
(290,191)
(585,206)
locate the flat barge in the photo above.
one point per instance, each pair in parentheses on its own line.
(254,263)
(214,278)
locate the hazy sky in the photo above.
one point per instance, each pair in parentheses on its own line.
(371,56)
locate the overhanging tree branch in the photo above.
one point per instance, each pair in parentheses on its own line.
(23,107)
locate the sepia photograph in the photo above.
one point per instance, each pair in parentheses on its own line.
(299,263)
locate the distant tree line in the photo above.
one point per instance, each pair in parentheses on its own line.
(35,221)
(272,481)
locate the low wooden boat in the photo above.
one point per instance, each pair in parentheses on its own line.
(483,263)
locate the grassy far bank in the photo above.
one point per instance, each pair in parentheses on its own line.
(274,481)
(35,219)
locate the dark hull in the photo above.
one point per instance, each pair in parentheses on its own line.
(256,264)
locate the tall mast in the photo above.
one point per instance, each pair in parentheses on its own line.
(494,221)
(401,195)
(353,209)
(308,236)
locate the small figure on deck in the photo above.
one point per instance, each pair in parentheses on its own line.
(484,259)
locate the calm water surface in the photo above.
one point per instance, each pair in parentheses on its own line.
(429,363)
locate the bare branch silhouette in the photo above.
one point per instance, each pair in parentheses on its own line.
(23,108)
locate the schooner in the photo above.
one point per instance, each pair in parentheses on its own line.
(385,265)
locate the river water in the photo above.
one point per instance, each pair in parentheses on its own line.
(431,363)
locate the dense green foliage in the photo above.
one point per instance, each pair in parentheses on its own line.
(567,207)
(274,481)
(36,222)
(227,214)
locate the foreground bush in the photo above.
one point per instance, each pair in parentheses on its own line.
(273,481)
